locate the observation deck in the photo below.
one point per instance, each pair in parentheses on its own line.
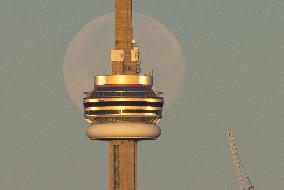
(123,106)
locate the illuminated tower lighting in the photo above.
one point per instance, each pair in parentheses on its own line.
(123,108)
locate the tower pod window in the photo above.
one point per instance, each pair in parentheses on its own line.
(124,88)
(106,112)
(123,103)
(148,120)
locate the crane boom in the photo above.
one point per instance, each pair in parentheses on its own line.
(238,163)
(236,159)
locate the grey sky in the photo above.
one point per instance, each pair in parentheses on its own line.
(235,76)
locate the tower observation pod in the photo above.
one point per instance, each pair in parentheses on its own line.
(123,108)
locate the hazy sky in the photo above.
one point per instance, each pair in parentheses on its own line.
(235,76)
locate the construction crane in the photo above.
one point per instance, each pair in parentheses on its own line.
(240,169)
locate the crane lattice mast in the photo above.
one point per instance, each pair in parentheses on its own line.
(236,158)
(238,163)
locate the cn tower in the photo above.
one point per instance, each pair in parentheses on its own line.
(123,108)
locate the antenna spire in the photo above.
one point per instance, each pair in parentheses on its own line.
(125,55)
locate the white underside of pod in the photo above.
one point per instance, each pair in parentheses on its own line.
(123,131)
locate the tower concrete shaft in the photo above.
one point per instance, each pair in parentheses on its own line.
(123,63)
(122,153)
(123,108)
(122,164)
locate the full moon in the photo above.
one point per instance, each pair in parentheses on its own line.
(89,54)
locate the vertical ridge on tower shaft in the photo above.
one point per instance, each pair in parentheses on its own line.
(122,164)
(123,38)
